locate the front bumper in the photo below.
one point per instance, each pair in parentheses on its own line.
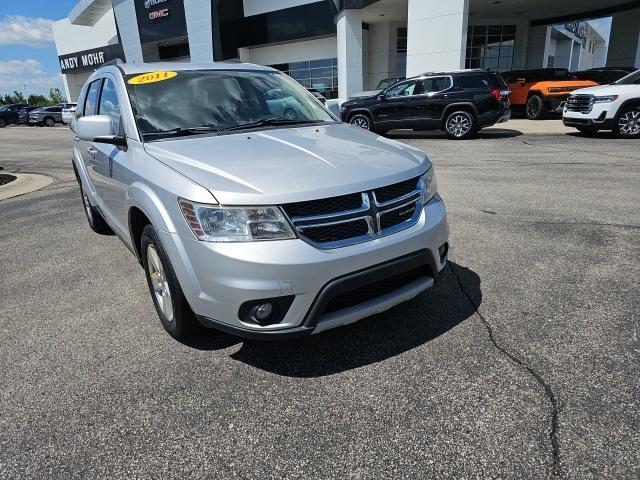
(217,279)
(601,116)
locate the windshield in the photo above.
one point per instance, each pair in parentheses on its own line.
(213,100)
(631,79)
(387,82)
(3,108)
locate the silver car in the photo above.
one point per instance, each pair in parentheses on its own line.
(243,219)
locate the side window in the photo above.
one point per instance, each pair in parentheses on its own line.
(436,84)
(402,89)
(91,103)
(109,104)
(474,81)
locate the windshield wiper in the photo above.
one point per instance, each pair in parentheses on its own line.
(266,122)
(179,131)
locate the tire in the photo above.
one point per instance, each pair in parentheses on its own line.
(587,130)
(94,217)
(3,123)
(534,108)
(628,123)
(172,307)
(290,114)
(460,125)
(361,120)
(49,122)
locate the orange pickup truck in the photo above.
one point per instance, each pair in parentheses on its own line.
(542,90)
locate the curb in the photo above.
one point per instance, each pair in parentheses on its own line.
(23,184)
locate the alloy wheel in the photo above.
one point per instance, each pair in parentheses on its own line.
(459,125)
(159,283)
(629,123)
(360,121)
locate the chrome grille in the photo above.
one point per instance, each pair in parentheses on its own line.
(580,103)
(355,218)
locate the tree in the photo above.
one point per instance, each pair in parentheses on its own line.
(18,97)
(39,100)
(55,96)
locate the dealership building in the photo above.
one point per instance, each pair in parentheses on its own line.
(343,46)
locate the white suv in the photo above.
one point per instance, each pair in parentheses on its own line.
(613,107)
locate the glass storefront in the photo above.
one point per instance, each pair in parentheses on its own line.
(490,47)
(321,75)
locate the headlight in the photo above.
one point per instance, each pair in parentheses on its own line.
(605,99)
(429,185)
(213,223)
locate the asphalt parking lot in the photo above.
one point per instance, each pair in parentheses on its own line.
(522,363)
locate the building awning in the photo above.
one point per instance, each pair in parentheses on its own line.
(88,12)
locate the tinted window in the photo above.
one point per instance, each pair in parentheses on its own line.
(435,84)
(402,89)
(219,99)
(497,81)
(474,81)
(91,103)
(109,104)
(54,109)
(631,79)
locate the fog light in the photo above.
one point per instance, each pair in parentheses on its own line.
(263,312)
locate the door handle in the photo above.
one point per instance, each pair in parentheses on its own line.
(92,151)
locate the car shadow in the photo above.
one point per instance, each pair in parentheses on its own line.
(600,134)
(374,339)
(488,133)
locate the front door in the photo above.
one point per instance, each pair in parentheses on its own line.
(395,109)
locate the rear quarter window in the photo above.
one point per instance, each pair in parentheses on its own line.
(474,81)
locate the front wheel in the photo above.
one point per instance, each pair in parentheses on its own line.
(3,123)
(176,316)
(49,122)
(535,108)
(361,120)
(460,125)
(628,124)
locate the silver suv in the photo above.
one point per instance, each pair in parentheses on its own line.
(252,208)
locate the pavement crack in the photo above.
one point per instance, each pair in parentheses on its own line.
(504,350)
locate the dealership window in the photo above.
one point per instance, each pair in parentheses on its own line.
(400,67)
(321,75)
(490,47)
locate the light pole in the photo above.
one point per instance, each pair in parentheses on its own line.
(24,86)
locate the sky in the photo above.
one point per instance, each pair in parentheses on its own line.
(27,52)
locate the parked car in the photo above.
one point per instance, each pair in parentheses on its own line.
(600,76)
(613,107)
(23,114)
(246,221)
(382,85)
(9,113)
(283,104)
(68,112)
(460,103)
(542,90)
(318,95)
(47,116)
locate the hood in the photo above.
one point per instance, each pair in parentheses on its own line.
(607,90)
(291,164)
(367,93)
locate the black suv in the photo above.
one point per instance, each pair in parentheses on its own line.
(10,113)
(460,103)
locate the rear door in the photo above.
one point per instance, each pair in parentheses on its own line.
(85,150)
(433,100)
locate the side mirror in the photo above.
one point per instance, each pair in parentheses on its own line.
(382,96)
(99,129)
